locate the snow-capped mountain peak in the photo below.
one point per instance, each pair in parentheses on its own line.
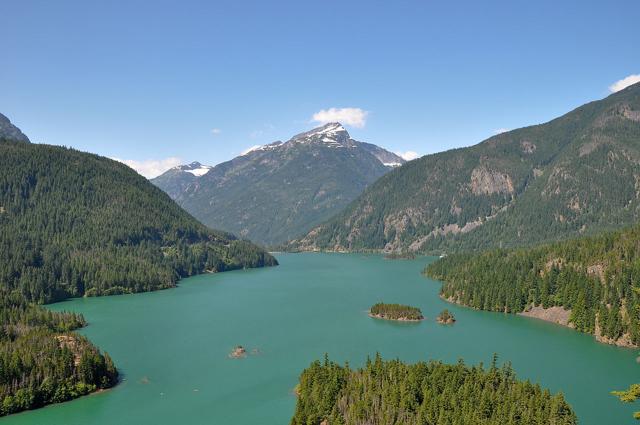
(332,134)
(328,129)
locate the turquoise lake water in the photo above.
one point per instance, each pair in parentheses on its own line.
(172,346)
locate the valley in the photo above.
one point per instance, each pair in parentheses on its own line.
(275,192)
(350,213)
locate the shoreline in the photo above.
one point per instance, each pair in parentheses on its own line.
(551,315)
(401,319)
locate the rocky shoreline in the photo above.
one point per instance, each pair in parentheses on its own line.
(400,319)
(559,316)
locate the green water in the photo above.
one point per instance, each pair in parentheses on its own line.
(172,346)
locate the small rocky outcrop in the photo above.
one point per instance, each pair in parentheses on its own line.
(238,352)
(486,182)
(445,317)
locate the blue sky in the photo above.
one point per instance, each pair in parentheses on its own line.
(150,80)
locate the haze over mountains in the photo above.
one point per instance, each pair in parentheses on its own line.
(577,174)
(279,191)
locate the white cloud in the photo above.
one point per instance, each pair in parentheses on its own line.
(151,168)
(252,148)
(501,130)
(624,83)
(215,131)
(354,117)
(408,155)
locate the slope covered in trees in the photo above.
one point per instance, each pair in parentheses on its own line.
(596,278)
(42,361)
(74,224)
(520,188)
(392,392)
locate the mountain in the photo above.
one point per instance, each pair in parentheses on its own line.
(278,191)
(176,180)
(77,224)
(9,131)
(591,284)
(575,175)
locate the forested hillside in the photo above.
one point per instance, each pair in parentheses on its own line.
(576,175)
(75,224)
(391,392)
(596,278)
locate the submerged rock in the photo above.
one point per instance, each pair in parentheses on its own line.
(238,352)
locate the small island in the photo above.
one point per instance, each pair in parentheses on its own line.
(403,313)
(445,317)
(238,353)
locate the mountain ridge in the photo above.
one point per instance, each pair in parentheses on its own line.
(522,187)
(88,225)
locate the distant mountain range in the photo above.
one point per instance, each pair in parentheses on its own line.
(281,190)
(575,175)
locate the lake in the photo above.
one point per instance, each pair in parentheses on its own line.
(172,346)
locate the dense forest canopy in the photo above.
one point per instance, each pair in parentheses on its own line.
(394,393)
(596,278)
(42,361)
(74,224)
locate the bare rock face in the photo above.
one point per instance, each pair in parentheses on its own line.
(527,146)
(553,314)
(486,182)
(9,131)
(629,113)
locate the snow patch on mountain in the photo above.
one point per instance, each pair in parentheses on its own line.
(194,168)
(198,172)
(258,148)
